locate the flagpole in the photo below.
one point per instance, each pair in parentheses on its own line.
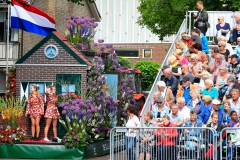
(7,53)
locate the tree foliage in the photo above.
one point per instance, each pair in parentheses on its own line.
(164,17)
(149,72)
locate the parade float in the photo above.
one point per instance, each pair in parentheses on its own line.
(94,91)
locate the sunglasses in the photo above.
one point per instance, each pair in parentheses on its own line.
(219,46)
(238,41)
(159,102)
(219,19)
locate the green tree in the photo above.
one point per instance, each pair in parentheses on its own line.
(164,17)
(149,72)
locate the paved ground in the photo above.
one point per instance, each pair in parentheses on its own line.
(107,157)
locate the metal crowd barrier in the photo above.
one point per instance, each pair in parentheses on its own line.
(163,143)
(230,143)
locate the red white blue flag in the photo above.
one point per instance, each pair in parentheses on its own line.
(26,17)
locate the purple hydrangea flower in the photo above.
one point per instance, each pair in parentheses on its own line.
(100,41)
(73,133)
(99,53)
(84,112)
(72,108)
(75,137)
(61,105)
(95,44)
(99,79)
(94,83)
(65,107)
(64,112)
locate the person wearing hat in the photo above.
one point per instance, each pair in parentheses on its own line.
(185,88)
(210,90)
(176,67)
(234,65)
(205,115)
(165,92)
(159,110)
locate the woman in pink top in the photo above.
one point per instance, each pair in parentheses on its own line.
(178,53)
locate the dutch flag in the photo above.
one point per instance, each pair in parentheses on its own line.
(31,19)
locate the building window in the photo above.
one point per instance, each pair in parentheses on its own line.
(127,53)
(13,33)
(66,83)
(147,53)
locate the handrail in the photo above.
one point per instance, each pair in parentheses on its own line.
(154,88)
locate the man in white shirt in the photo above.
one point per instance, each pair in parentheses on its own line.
(235,101)
(183,109)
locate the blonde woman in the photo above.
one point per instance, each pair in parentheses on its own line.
(223,28)
(181,45)
(223,50)
(176,67)
(179,55)
(35,108)
(195,66)
(228,46)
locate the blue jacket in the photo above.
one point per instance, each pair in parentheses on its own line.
(198,108)
(206,114)
(205,48)
(237,50)
(165,111)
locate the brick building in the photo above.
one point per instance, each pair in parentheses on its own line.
(67,69)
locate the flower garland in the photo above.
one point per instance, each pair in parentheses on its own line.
(11,82)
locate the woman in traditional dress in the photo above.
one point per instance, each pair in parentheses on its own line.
(35,108)
(52,114)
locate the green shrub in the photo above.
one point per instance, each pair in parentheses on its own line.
(149,72)
(124,62)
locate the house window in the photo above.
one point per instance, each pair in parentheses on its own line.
(127,53)
(66,83)
(67,88)
(147,53)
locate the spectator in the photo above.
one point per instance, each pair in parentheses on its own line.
(235,101)
(147,136)
(175,117)
(237,49)
(179,55)
(223,29)
(181,45)
(192,135)
(159,110)
(223,50)
(231,84)
(202,84)
(204,116)
(130,136)
(226,111)
(170,80)
(154,99)
(214,65)
(166,140)
(204,40)
(221,83)
(214,51)
(228,46)
(186,73)
(218,128)
(197,48)
(190,47)
(165,92)
(234,65)
(176,67)
(236,28)
(233,121)
(184,89)
(201,19)
(183,109)
(195,103)
(206,70)
(210,90)
(207,100)
(186,38)
(196,39)
(195,67)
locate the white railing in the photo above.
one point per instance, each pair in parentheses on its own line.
(13,50)
(229,17)
(154,88)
